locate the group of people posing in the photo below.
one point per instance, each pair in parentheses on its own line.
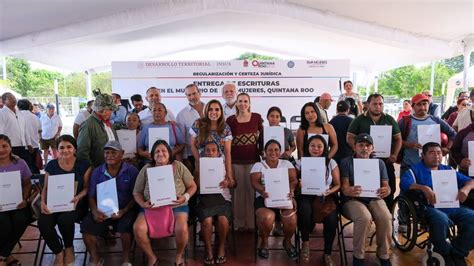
(232,132)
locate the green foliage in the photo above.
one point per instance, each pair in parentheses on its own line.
(456,64)
(103,81)
(19,74)
(34,83)
(408,80)
(253,56)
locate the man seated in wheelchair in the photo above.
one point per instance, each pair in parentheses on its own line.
(419,177)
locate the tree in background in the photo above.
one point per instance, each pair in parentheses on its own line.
(34,83)
(253,56)
(456,64)
(406,81)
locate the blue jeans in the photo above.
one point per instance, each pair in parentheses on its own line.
(439,221)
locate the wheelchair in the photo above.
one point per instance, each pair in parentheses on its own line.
(410,227)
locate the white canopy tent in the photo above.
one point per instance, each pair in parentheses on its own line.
(87,35)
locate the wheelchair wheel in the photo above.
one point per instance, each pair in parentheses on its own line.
(435,260)
(404,224)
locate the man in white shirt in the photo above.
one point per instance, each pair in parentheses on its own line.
(229,94)
(33,126)
(186,117)
(51,126)
(146,116)
(81,117)
(13,124)
(323,104)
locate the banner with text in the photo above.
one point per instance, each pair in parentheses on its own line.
(272,82)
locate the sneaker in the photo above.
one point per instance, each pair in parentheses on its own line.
(357,262)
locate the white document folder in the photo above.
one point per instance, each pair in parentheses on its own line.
(313,175)
(382,136)
(107,199)
(277,185)
(161,184)
(445,187)
(470,147)
(277,133)
(155,134)
(428,133)
(60,193)
(128,140)
(11,193)
(211,173)
(367,175)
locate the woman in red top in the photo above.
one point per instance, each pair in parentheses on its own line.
(406,110)
(247,130)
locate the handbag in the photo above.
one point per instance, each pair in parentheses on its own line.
(322,207)
(160,221)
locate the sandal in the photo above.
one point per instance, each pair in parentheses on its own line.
(263,253)
(305,254)
(221,259)
(291,252)
(208,261)
(14,262)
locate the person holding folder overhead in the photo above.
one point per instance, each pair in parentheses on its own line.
(421,177)
(13,223)
(66,163)
(175,136)
(185,188)
(311,124)
(98,220)
(317,147)
(217,205)
(266,215)
(362,210)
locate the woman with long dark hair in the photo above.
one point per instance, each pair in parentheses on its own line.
(66,163)
(311,124)
(317,147)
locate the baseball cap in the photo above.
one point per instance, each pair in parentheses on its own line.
(50,106)
(113,144)
(419,97)
(364,137)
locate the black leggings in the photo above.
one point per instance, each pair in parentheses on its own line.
(65,222)
(306,224)
(12,226)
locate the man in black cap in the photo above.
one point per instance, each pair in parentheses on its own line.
(362,210)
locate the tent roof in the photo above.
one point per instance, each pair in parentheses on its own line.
(81,35)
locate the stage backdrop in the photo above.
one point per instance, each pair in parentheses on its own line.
(284,83)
